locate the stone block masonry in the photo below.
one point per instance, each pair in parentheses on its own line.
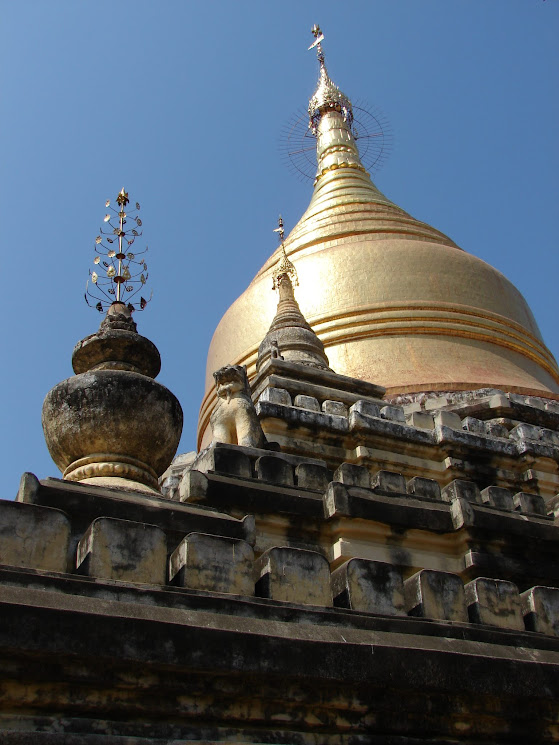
(294,575)
(312,476)
(208,562)
(352,475)
(461,489)
(420,419)
(334,407)
(274,469)
(193,644)
(497,497)
(369,586)
(388,482)
(123,550)
(495,602)
(531,504)
(226,460)
(422,487)
(540,607)
(306,402)
(34,537)
(439,595)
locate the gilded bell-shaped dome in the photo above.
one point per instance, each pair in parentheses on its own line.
(394,301)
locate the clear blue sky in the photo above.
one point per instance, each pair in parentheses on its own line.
(183,103)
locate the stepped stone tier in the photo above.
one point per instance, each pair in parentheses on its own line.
(387,573)
(394,301)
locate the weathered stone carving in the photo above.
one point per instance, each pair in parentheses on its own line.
(234,419)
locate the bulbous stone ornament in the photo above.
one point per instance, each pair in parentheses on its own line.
(112,424)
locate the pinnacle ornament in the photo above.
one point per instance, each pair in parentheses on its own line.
(120,274)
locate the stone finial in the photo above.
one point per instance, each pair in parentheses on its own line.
(111,424)
(234,420)
(117,346)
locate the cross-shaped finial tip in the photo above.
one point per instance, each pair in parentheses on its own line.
(122,198)
(279,228)
(318,37)
(284,268)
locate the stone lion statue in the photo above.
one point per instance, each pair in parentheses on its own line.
(234,419)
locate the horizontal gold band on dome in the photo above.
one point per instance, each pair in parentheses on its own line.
(334,202)
(372,233)
(388,228)
(336,166)
(412,330)
(377,221)
(535,351)
(330,329)
(354,212)
(434,306)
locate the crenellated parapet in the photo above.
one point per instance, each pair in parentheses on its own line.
(185,547)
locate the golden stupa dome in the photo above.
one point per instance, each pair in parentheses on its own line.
(394,301)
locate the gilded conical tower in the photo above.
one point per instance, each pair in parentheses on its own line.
(290,336)
(394,301)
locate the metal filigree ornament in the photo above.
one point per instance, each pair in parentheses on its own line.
(120,274)
(327,97)
(284,268)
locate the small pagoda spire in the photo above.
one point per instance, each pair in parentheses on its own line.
(290,337)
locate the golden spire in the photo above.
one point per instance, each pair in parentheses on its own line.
(124,273)
(331,121)
(327,96)
(284,269)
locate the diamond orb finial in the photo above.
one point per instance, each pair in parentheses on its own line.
(119,273)
(285,270)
